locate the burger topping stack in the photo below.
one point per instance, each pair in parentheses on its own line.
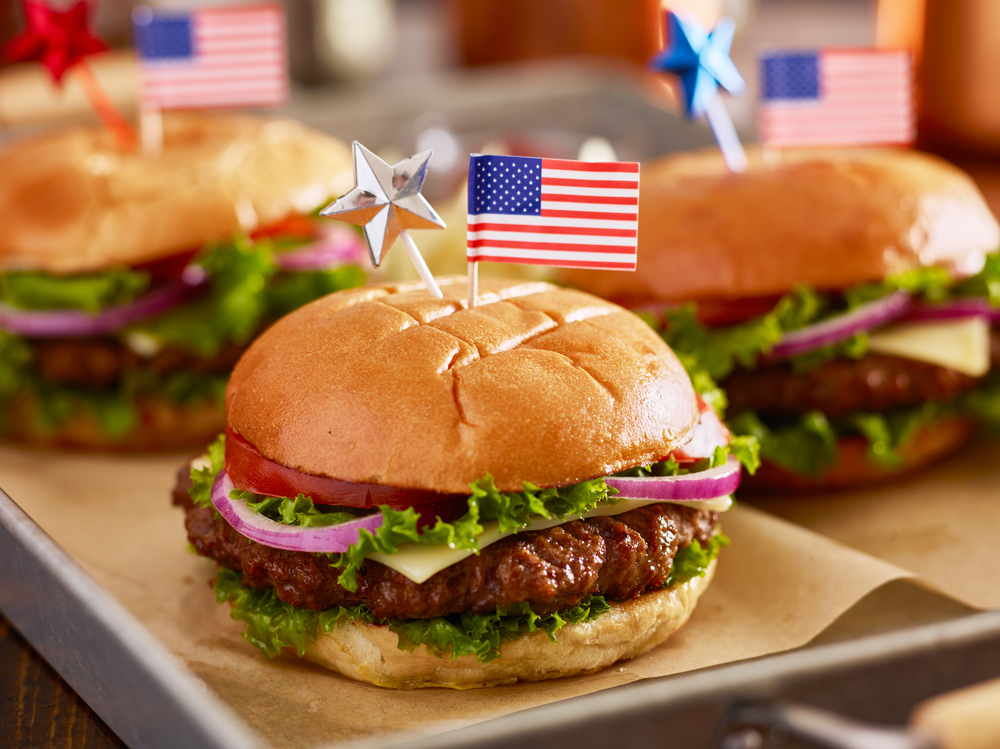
(820,366)
(461,478)
(844,303)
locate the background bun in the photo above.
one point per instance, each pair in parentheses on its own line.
(369,653)
(827,218)
(72,202)
(388,385)
(933,441)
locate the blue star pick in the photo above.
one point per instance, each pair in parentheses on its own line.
(700,60)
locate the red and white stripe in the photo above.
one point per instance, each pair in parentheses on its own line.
(589,219)
(866,97)
(239,60)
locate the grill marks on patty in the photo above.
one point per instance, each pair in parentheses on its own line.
(619,557)
(874,383)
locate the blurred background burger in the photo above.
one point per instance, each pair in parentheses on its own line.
(841,304)
(130,284)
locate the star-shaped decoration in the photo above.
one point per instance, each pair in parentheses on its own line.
(386,200)
(58,39)
(701,60)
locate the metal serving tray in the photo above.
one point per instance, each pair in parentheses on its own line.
(150,700)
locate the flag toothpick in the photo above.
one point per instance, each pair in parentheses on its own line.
(151,131)
(701,61)
(473,284)
(841,97)
(385,202)
(205,58)
(555,212)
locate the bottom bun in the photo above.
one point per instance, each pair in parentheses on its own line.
(369,653)
(161,425)
(932,441)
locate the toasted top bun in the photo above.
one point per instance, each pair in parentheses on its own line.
(72,202)
(389,385)
(827,218)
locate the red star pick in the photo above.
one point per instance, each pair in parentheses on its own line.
(57,38)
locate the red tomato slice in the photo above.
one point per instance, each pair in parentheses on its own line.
(714,313)
(292,225)
(717,313)
(710,432)
(448,509)
(252,472)
(168,268)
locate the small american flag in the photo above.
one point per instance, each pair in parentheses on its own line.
(573,214)
(836,97)
(217,57)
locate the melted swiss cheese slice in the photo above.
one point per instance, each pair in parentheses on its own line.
(962,345)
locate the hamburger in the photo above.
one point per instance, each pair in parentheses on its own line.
(843,302)
(413,493)
(129,284)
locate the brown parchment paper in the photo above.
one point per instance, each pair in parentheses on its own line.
(777,587)
(942,524)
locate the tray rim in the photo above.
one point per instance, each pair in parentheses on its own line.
(104,626)
(748,679)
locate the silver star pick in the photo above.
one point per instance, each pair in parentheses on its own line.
(386,200)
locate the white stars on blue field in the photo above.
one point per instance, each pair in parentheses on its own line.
(164,36)
(510,185)
(790,75)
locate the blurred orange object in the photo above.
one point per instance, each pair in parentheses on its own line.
(495,31)
(957,45)
(899,24)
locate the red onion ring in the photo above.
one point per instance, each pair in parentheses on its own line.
(955,309)
(73,323)
(334,539)
(715,482)
(836,329)
(337,245)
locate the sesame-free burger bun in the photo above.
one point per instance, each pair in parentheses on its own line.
(829,218)
(72,202)
(369,652)
(389,385)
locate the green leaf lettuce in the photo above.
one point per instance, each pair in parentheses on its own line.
(90,292)
(247,289)
(806,446)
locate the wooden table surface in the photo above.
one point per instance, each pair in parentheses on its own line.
(38,708)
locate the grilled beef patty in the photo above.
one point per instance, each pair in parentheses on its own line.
(618,557)
(100,362)
(838,387)
(873,383)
